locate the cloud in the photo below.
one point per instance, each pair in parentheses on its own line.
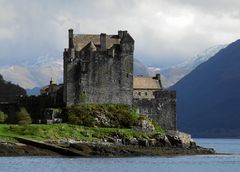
(166,31)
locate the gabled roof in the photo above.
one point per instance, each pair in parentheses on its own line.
(141,82)
(90,46)
(81,40)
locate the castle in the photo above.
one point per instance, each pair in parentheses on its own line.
(98,69)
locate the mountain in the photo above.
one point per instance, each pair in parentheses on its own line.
(36,74)
(174,73)
(208,98)
(139,68)
(33,75)
(34,91)
(9,92)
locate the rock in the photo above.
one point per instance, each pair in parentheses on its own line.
(118,141)
(116,135)
(143,142)
(63,142)
(125,141)
(102,120)
(162,141)
(144,126)
(193,144)
(133,141)
(175,141)
(152,142)
(179,138)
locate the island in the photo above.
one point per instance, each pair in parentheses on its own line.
(100,110)
(97,131)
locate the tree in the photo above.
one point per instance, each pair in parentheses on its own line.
(3,117)
(23,117)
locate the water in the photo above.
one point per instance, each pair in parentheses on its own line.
(206,163)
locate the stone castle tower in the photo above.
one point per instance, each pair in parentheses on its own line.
(98,68)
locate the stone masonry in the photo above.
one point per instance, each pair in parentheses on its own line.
(162,108)
(98,69)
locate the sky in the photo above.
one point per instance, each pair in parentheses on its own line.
(166,32)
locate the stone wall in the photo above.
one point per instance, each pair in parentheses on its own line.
(99,75)
(143,94)
(162,109)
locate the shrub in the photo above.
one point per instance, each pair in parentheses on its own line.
(3,117)
(23,117)
(103,115)
(81,115)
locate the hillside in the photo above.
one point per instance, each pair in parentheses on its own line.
(9,91)
(208,99)
(34,75)
(173,74)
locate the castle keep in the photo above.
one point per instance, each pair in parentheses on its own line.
(98,68)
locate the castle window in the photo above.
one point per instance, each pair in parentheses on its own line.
(127,75)
(139,93)
(145,93)
(119,81)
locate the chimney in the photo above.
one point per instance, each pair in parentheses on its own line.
(158,77)
(120,34)
(70,35)
(125,33)
(103,41)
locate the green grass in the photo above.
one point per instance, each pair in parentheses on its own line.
(65,131)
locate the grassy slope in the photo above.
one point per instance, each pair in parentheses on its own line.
(65,131)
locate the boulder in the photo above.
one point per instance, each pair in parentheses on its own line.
(179,139)
(143,142)
(133,141)
(152,142)
(144,126)
(125,141)
(193,144)
(175,141)
(162,141)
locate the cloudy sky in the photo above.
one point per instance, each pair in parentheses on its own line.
(166,32)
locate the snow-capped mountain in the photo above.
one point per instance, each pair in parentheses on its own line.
(208,97)
(35,74)
(174,73)
(39,72)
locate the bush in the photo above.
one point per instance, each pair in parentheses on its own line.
(3,117)
(23,117)
(81,115)
(103,115)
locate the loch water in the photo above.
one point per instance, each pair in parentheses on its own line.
(229,162)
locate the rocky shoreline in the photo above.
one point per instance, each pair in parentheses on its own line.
(171,144)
